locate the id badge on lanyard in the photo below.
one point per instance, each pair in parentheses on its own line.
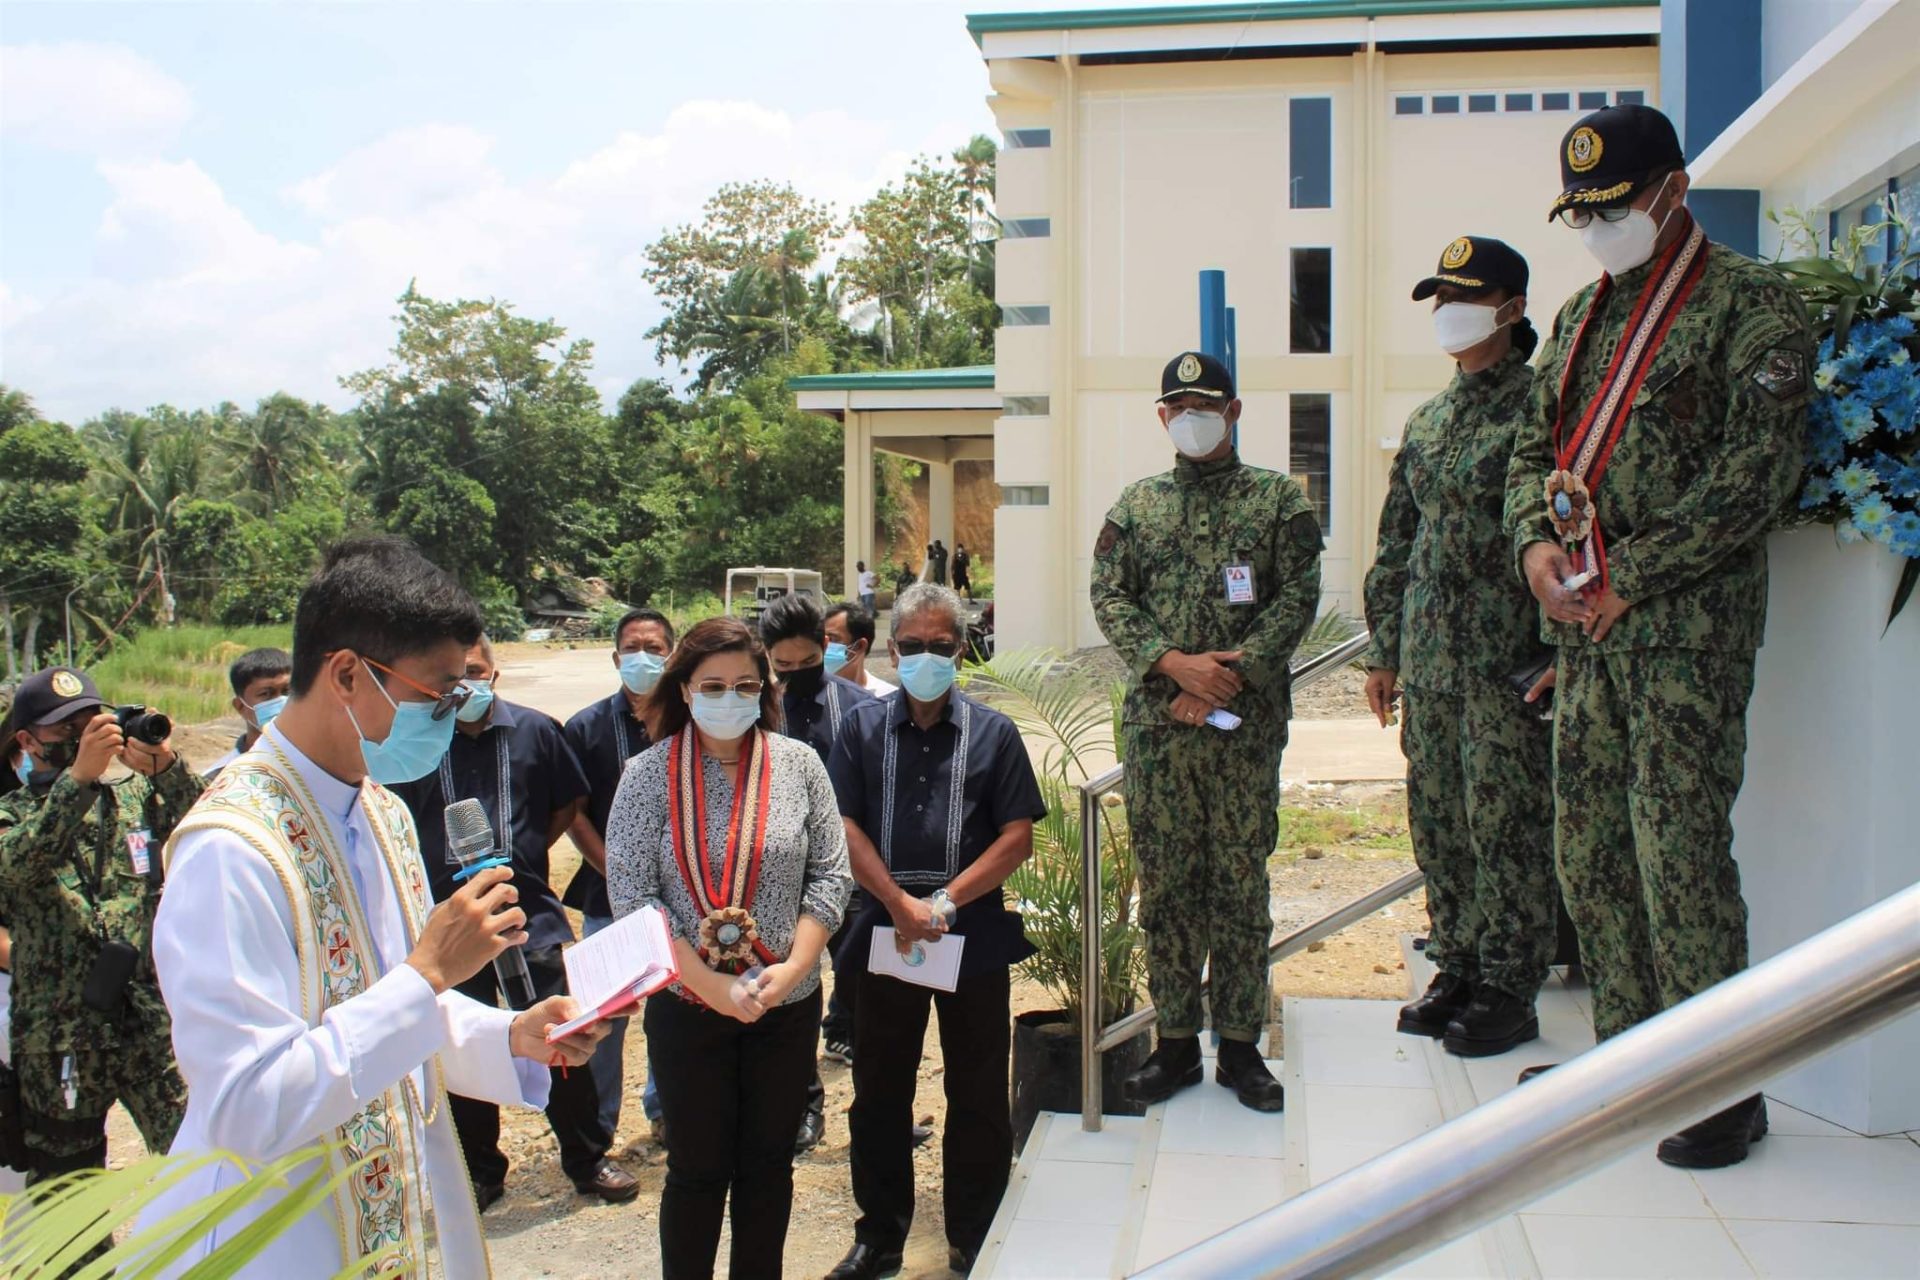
(1240,584)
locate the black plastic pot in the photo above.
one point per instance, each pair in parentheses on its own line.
(1046,1070)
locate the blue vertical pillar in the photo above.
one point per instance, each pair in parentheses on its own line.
(1213,314)
(1233,363)
(1710,71)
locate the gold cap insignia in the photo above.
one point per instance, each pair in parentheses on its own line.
(1189,368)
(1457,254)
(66,684)
(1583,150)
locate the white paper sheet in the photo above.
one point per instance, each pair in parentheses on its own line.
(628,960)
(929,964)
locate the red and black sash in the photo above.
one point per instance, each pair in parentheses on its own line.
(1583,456)
(729,937)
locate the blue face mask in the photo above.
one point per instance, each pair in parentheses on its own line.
(477,704)
(836,657)
(926,676)
(639,672)
(24,770)
(414,744)
(727,716)
(263,713)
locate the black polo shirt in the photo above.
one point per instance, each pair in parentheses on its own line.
(521,769)
(932,801)
(604,735)
(817,721)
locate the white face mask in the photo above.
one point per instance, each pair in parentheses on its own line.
(1197,432)
(1621,246)
(1462,326)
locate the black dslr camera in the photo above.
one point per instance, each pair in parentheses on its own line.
(142,725)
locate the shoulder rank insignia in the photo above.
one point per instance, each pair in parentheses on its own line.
(1782,372)
(1457,254)
(1583,150)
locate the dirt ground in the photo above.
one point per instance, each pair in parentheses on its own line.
(1337,842)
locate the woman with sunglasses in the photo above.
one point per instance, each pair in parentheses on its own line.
(732,830)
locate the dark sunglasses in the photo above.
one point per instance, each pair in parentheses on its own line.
(444,704)
(939,648)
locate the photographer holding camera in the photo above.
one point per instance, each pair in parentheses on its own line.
(80,873)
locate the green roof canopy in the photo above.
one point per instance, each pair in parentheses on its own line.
(980,24)
(971,377)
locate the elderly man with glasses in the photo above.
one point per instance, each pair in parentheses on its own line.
(939,800)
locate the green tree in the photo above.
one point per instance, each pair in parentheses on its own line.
(49,534)
(914,243)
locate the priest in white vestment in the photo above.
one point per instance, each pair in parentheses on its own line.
(311,990)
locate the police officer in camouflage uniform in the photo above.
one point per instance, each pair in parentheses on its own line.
(1667,430)
(1204,580)
(80,874)
(1452,624)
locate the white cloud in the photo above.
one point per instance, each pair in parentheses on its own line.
(96,99)
(189,301)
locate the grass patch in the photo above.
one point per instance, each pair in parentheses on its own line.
(182,670)
(1353,831)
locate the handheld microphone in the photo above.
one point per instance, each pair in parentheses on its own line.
(471,846)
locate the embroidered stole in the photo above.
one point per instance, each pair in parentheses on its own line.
(262,799)
(1582,457)
(728,935)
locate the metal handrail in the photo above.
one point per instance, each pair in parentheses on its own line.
(1724,1043)
(1095,1039)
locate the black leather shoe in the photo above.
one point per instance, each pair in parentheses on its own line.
(813,1127)
(864,1262)
(959,1260)
(609,1182)
(1494,1022)
(1446,997)
(1529,1073)
(487,1195)
(922,1134)
(1171,1067)
(1241,1070)
(1720,1140)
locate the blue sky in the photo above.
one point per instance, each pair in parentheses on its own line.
(215,201)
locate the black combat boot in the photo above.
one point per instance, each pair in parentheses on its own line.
(1171,1067)
(1719,1140)
(1494,1022)
(1446,997)
(1241,1070)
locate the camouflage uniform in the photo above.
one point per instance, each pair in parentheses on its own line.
(1203,804)
(1649,734)
(1447,614)
(57,933)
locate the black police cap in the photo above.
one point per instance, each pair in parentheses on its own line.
(1195,373)
(1475,265)
(1608,157)
(50,696)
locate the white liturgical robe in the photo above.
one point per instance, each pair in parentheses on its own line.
(262,1083)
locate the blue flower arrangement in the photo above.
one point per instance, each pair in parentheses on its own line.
(1863,428)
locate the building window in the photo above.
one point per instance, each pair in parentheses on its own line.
(1310,331)
(1310,151)
(1593,100)
(1409,105)
(1026,228)
(1017,317)
(1024,407)
(1556,102)
(1310,451)
(1019,139)
(1446,104)
(1868,211)
(1482,103)
(1519,102)
(1630,98)
(1025,495)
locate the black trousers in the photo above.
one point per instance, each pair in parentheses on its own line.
(732,1093)
(976,1030)
(839,1022)
(573,1103)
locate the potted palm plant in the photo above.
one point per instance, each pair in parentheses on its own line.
(1070,715)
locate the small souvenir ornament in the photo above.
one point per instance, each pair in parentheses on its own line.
(1569,505)
(728,935)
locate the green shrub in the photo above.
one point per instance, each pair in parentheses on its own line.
(181,670)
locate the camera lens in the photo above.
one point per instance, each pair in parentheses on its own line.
(150,727)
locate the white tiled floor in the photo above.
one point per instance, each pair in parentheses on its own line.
(1813,1200)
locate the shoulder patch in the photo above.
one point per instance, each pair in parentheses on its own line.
(1109,534)
(1782,373)
(1304,529)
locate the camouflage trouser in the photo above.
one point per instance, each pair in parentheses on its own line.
(60,1138)
(1480,804)
(1649,749)
(1203,807)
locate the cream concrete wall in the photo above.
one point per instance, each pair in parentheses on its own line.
(1157,172)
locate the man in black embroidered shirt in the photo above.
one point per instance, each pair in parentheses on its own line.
(604,735)
(939,799)
(514,760)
